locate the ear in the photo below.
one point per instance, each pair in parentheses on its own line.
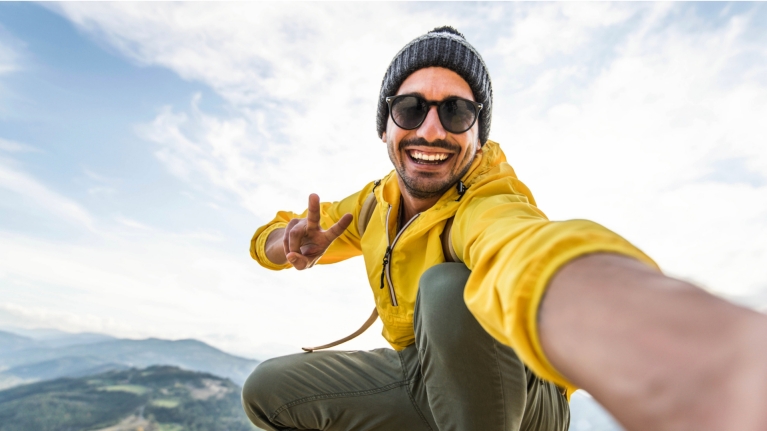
(383,137)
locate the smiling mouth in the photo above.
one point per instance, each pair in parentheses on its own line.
(428,158)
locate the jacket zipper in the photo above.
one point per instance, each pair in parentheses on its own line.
(386,269)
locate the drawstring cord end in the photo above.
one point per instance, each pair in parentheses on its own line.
(461,187)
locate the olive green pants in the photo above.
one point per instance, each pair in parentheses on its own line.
(456,377)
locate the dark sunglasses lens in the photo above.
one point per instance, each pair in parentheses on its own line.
(408,112)
(457,115)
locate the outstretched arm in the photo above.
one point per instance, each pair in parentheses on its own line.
(658,353)
(303,241)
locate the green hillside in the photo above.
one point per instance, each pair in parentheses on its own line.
(160,398)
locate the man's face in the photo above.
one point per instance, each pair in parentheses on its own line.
(452,153)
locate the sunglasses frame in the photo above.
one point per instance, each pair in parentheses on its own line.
(477,106)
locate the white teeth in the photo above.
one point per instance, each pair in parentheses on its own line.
(429,157)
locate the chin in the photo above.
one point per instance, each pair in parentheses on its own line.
(424,189)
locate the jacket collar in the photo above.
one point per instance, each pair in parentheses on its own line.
(489,157)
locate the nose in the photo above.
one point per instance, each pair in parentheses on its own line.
(431,129)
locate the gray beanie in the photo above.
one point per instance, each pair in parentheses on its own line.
(443,47)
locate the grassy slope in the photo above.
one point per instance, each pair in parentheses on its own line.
(164,398)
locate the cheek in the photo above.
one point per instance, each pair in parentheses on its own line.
(471,151)
(471,142)
(390,128)
(393,133)
(473,136)
(393,136)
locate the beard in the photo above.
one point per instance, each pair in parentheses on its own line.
(426,185)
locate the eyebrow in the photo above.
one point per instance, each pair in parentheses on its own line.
(419,94)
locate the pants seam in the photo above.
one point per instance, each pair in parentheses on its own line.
(335,395)
(500,381)
(410,391)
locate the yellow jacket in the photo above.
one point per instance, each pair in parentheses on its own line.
(509,245)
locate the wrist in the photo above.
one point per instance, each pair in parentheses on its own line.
(274,249)
(263,247)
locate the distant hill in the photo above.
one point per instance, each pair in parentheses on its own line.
(56,338)
(63,367)
(11,342)
(24,360)
(158,398)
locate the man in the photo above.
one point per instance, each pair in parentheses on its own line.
(452,196)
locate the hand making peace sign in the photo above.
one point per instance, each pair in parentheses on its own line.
(305,242)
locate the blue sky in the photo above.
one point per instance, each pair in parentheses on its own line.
(78,102)
(141,144)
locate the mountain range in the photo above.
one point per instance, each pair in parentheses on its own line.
(24,359)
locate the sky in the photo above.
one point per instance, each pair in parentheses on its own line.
(142,144)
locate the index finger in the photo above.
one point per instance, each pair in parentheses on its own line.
(338,229)
(313,213)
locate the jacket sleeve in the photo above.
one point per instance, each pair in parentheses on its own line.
(344,247)
(513,251)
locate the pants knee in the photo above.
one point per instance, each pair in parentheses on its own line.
(441,288)
(258,390)
(440,308)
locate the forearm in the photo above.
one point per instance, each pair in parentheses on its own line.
(658,353)
(275,250)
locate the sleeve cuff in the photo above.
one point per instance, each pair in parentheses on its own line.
(258,247)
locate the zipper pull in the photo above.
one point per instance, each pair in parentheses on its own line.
(461,187)
(385,262)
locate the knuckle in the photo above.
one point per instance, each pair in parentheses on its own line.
(295,232)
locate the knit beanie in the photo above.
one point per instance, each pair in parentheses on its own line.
(442,47)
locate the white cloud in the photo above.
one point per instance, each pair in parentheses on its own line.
(28,189)
(9,57)
(538,32)
(220,152)
(16,147)
(42,317)
(131,223)
(12,52)
(98,177)
(280,52)
(100,185)
(101,191)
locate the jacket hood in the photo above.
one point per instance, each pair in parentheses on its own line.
(489,156)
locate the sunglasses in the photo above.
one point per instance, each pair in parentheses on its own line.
(456,115)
